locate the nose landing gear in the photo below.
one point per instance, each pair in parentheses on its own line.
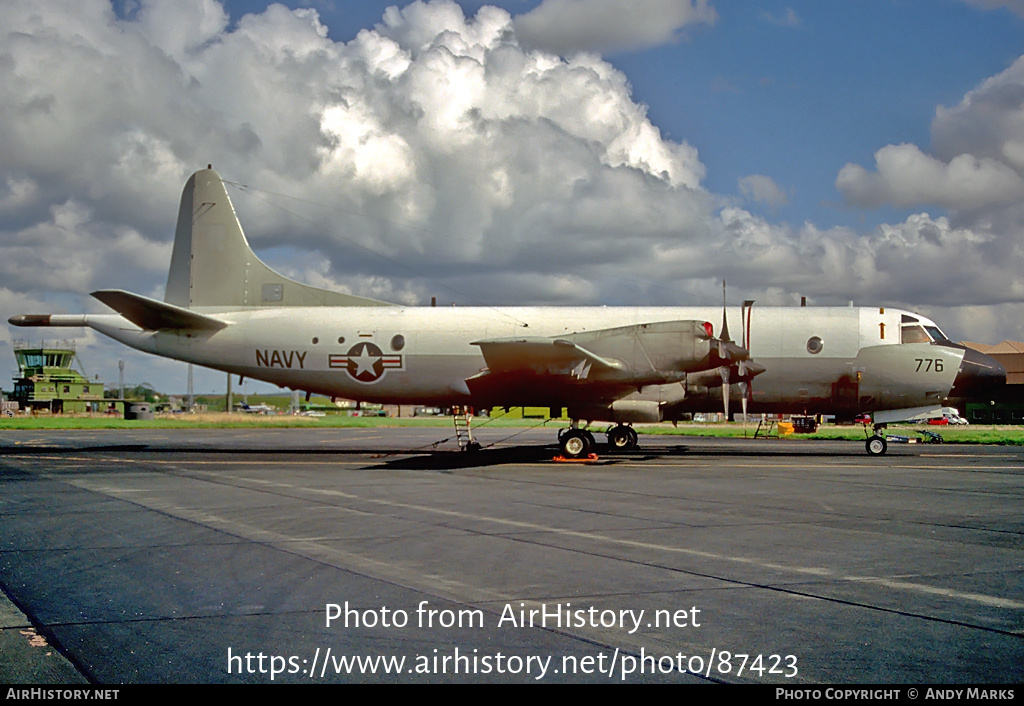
(876,445)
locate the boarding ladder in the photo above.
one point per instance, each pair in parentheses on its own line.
(463,417)
(765,427)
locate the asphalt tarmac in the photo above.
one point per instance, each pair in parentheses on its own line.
(366,555)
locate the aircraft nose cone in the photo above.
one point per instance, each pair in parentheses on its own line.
(979,376)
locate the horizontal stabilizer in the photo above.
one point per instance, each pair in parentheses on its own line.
(153,315)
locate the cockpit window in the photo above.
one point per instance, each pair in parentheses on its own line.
(914,334)
(921,334)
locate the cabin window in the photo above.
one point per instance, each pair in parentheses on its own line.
(398,342)
(815,345)
(315,340)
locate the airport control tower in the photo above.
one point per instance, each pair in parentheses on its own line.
(47,382)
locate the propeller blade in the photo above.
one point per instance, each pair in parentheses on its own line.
(725,319)
(731,356)
(725,391)
(748,369)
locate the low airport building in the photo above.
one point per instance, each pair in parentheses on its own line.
(47,382)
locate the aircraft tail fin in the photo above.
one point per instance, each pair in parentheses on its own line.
(212,264)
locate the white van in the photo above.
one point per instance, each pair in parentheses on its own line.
(950,414)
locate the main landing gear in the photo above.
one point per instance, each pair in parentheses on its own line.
(622,438)
(576,442)
(580,443)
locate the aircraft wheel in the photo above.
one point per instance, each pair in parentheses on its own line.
(876,445)
(622,438)
(576,443)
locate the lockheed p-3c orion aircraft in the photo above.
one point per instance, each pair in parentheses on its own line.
(225,309)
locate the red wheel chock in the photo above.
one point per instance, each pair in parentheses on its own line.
(590,458)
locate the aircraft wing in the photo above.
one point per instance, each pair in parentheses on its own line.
(545,372)
(592,366)
(543,356)
(154,315)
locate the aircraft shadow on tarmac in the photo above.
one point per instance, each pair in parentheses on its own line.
(448,459)
(451,460)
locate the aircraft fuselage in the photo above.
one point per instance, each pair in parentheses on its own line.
(818,360)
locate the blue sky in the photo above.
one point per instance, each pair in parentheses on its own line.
(797,102)
(562,152)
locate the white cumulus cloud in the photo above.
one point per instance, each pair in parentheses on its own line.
(606,26)
(905,176)
(758,187)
